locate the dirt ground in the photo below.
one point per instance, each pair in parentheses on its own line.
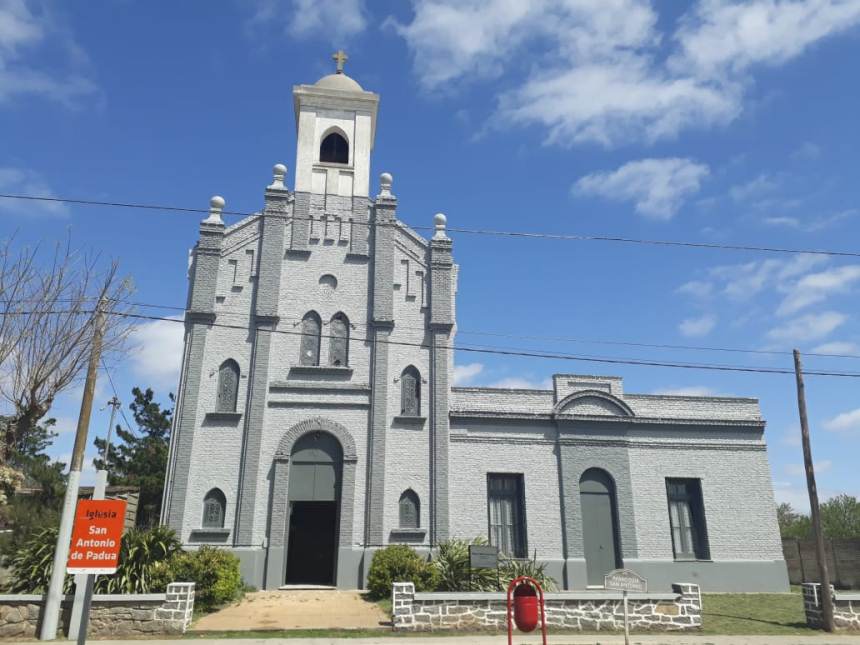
(325,609)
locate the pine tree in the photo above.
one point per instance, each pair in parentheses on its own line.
(140,458)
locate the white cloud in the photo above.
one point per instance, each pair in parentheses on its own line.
(658,187)
(798,470)
(807,151)
(688,390)
(335,20)
(753,189)
(603,71)
(464,374)
(25,27)
(837,347)
(810,327)
(811,224)
(817,287)
(27,182)
(696,288)
(157,353)
(743,281)
(697,327)
(845,422)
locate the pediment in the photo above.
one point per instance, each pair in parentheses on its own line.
(592,403)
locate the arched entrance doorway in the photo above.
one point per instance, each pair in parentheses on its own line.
(599,531)
(315,476)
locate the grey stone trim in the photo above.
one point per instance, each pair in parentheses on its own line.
(204,273)
(180,464)
(585,418)
(593,394)
(271,253)
(377,437)
(209,532)
(360,231)
(301,222)
(319,404)
(319,370)
(363,388)
(475,388)
(255,407)
(347,443)
(616,443)
(232,417)
(280,490)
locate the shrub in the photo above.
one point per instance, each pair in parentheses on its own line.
(511,568)
(215,572)
(398,563)
(31,564)
(453,571)
(143,562)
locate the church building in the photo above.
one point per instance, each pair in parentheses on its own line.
(317,419)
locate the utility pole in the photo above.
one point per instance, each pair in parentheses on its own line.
(54,597)
(826,596)
(114,404)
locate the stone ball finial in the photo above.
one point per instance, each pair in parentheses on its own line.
(385,181)
(279,171)
(216,202)
(439,222)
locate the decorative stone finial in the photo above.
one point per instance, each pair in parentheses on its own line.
(385,180)
(339,57)
(216,205)
(279,171)
(439,222)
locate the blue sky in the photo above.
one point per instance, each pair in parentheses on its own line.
(709,121)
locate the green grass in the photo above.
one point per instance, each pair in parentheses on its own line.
(754,613)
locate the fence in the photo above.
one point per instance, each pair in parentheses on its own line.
(843,561)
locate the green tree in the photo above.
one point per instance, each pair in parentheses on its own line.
(140,459)
(840,517)
(791,523)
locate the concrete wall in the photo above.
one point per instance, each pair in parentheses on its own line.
(843,561)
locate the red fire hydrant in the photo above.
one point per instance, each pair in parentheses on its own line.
(525,604)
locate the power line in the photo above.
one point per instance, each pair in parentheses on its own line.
(116,394)
(468,231)
(512,351)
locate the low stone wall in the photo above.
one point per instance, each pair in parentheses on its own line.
(846,607)
(590,610)
(110,614)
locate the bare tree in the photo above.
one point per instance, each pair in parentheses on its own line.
(47,326)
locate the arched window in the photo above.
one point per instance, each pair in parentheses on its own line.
(338,349)
(228,386)
(410,393)
(334,149)
(214,505)
(410,510)
(310,349)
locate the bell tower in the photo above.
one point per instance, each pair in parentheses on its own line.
(336,123)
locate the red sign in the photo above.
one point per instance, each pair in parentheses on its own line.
(96,536)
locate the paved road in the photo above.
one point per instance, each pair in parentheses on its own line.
(610,639)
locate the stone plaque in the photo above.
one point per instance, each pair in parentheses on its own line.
(483,557)
(624,580)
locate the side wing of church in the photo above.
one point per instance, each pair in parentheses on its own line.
(316,419)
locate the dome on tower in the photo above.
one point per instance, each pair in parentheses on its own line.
(339,81)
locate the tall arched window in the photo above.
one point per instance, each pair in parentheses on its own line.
(334,149)
(214,506)
(310,349)
(228,386)
(338,350)
(410,392)
(410,510)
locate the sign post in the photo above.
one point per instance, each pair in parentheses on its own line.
(625,580)
(96,540)
(483,556)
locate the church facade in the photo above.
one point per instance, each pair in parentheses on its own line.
(317,420)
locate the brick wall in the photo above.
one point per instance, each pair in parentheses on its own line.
(846,607)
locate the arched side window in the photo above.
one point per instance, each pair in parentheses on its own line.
(311,330)
(410,393)
(334,149)
(214,507)
(338,350)
(410,510)
(228,386)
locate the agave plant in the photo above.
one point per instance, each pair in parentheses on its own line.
(31,564)
(453,569)
(512,568)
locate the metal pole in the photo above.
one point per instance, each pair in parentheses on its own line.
(626,619)
(84,581)
(826,596)
(54,597)
(114,403)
